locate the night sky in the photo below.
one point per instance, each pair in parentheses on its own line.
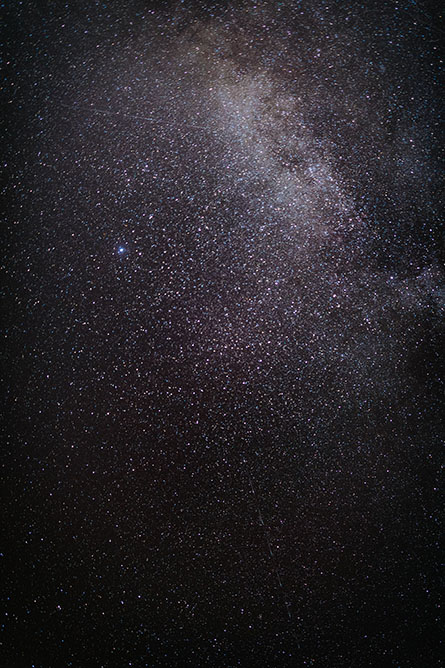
(223,308)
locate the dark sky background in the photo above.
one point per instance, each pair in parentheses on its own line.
(224,304)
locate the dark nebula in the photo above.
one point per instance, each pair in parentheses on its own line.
(224,304)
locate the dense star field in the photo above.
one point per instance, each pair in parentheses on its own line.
(224,302)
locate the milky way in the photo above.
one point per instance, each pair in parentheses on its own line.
(225,300)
